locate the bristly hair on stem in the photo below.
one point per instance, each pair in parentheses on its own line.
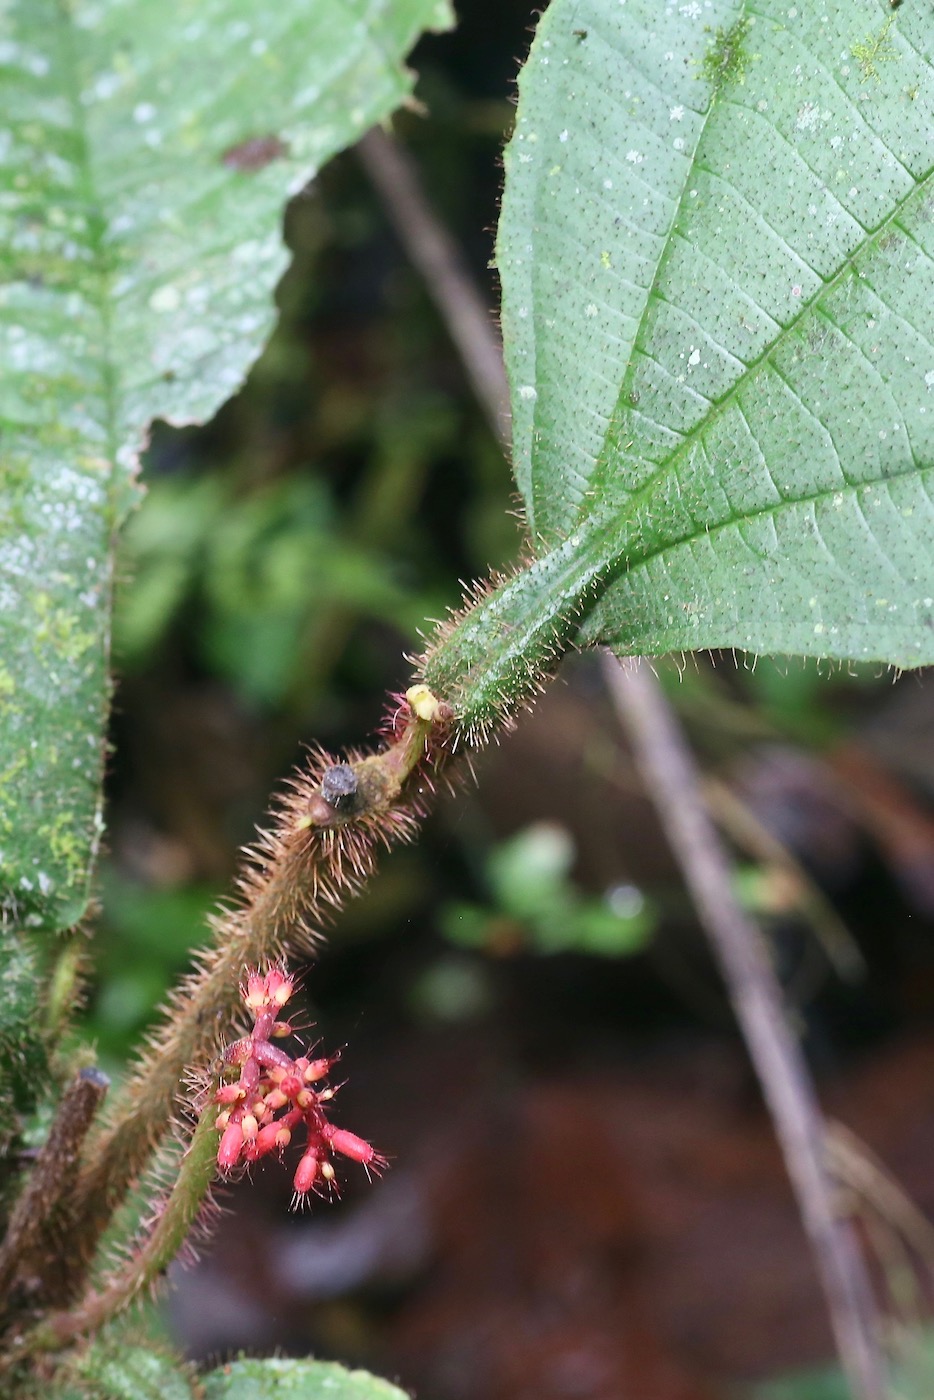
(170,1228)
(320,848)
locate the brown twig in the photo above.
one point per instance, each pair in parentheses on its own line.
(437,257)
(671,777)
(31,1254)
(857,1167)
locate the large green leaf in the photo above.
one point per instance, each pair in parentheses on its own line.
(145,154)
(295,1380)
(717,258)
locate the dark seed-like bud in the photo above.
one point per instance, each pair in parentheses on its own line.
(339,787)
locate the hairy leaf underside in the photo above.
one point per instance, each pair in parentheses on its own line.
(145,154)
(717,259)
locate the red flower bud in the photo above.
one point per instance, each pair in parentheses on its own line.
(268,1139)
(306,1173)
(255,997)
(229,1093)
(349,1145)
(279,986)
(228,1154)
(274,1094)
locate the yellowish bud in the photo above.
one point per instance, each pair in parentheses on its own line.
(423,703)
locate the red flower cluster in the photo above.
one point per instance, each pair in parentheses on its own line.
(275,1094)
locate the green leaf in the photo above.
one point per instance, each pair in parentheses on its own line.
(806,1385)
(116,1368)
(145,155)
(22,1056)
(303,1380)
(24,1069)
(120,1368)
(535,899)
(717,260)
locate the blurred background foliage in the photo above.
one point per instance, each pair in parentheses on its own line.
(525,991)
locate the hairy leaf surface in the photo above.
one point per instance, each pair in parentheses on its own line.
(717,258)
(145,153)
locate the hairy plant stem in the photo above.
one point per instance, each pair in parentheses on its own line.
(148,1263)
(313,857)
(494,656)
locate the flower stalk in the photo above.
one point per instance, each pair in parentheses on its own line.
(320,849)
(148,1262)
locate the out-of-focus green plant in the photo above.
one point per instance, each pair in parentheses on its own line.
(145,937)
(256,570)
(536,906)
(913,1377)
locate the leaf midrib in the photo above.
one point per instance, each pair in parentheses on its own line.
(592,480)
(603,465)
